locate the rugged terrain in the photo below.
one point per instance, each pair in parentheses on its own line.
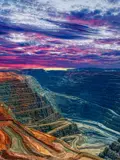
(90,97)
(18,142)
(112,152)
(30,106)
(98,89)
(44,110)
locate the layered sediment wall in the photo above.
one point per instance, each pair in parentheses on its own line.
(26,98)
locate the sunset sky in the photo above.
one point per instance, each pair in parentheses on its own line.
(59,34)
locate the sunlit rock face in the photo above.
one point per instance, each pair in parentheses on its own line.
(21,143)
(31,107)
(36,102)
(28,107)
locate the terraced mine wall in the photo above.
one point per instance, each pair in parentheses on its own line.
(26,99)
(18,142)
(27,106)
(97,93)
(67,130)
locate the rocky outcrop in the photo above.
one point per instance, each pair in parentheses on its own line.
(30,106)
(26,104)
(18,142)
(112,152)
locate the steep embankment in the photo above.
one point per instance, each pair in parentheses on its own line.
(96,134)
(98,91)
(26,104)
(26,98)
(89,97)
(18,142)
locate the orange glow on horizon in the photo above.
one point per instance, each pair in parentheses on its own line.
(28,67)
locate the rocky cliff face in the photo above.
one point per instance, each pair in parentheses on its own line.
(30,106)
(22,143)
(25,103)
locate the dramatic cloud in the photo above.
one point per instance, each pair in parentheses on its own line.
(59,33)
